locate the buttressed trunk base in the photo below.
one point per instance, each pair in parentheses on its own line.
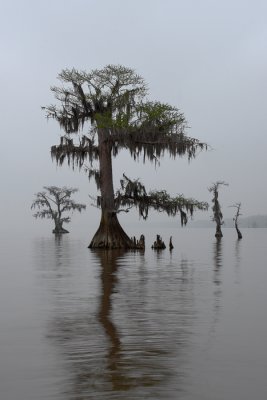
(110,234)
(59,228)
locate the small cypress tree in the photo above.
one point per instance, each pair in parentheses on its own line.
(53,202)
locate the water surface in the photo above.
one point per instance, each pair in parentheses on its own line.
(187,324)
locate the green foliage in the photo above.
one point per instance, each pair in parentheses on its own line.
(113,99)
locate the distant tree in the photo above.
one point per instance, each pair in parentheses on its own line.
(112,103)
(216,208)
(235,219)
(53,202)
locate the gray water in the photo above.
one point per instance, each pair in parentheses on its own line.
(80,324)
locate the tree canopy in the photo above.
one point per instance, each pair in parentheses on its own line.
(115,98)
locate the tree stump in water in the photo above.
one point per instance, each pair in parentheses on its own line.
(158,244)
(139,244)
(239,234)
(170,244)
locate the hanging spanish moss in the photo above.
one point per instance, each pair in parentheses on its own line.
(112,107)
(114,98)
(74,154)
(93,173)
(134,194)
(216,208)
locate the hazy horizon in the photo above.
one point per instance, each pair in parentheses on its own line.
(206,58)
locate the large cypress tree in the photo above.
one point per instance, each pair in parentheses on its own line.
(107,110)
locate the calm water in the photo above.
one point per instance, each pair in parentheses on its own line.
(191,324)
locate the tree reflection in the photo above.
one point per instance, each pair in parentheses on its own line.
(217,254)
(218,263)
(237,260)
(109,266)
(128,337)
(127,368)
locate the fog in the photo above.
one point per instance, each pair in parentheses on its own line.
(207,58)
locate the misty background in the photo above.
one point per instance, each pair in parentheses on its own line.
(207,58)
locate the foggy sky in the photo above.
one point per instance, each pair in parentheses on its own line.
(208,58)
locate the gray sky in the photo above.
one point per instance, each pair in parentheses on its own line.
(206,57)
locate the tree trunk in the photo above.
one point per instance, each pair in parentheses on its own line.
(59,228)
(239,234)
(110,234)
(218,233)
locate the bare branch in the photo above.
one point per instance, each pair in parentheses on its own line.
(133,193)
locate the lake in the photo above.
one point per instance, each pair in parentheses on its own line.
(189,324)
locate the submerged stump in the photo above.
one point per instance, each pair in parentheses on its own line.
(239,234)
(138,244)
(158,244)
